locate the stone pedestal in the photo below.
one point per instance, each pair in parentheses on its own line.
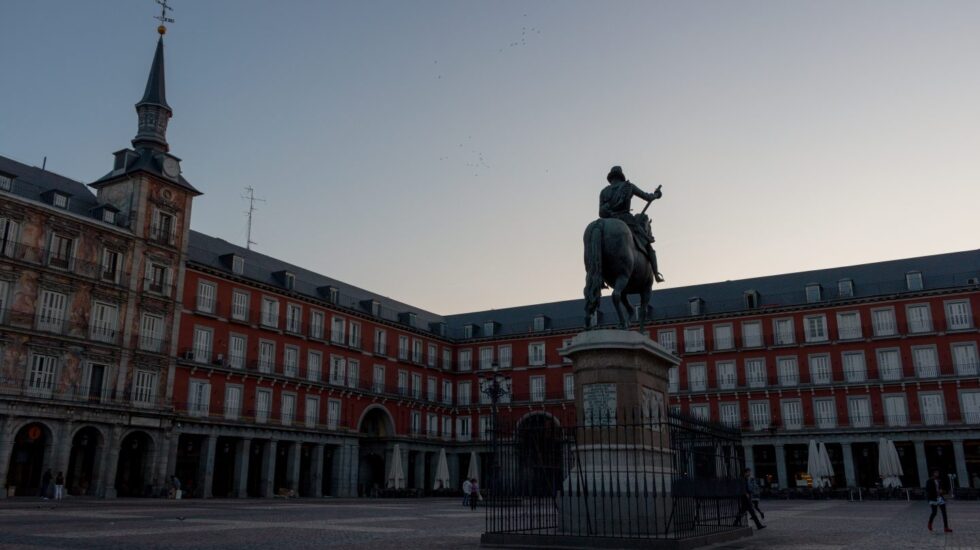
(621,479)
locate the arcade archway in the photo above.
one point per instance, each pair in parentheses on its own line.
(30,456)
(135,460)
(87,448)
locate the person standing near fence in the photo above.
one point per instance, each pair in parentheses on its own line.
(474,493)
(754,490)
(59,486)
(745,501)
(935,492)
(466,492)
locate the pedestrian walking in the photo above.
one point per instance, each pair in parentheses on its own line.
(59,486)
(474,493)
(175,486)
(45,483)
(755,491)
(745,502)
(466,492)
(936,491)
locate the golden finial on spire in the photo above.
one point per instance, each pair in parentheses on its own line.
(163,16)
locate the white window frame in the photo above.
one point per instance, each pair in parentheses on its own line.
(667,338)
(859,418)
(380,342)
(820,374)
(267,356)
(727,373)
(728,414)
(536,354)
(760,415)
(970,406)
(317,320)
(815,328)
(51,310)
(781,336)
(239,304)
(42,374)
(294,318)
(144,387)
(883,322)
(198,397)
(958,315)
(338,330)
(828,421)
(758,379)
(752,341)
(311,411)
(697,377)
(923,370)
(207,296)
(853,372)
(203,349)
(314,365)
(569,382)
(694,339)
(883,356)
(232,405)
(968,362)
(536,386)
(846,330)
(333,413)
(893,419)
(354,335)
(270,312)
(287,408)
(290,360)
(932,418)
(486,357)
(792,414)
(788,371)
(262,413)
(104,320)
(724,342)
(505,356)
(917,323)
(237,358)
(464,393)
(151,332)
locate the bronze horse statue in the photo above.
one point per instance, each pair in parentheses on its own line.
(613,259)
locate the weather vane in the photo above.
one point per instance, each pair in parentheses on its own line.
(163,16)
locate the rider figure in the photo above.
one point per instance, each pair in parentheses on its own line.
(614,202)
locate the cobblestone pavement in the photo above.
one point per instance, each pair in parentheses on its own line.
(426,523)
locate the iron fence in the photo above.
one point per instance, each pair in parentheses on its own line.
(671,478)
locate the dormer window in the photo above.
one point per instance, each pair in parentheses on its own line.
(695,306)
(376,308)
(751,299)
(59,200)
(6,182)
(439,328)
(467,331)
(108,216)
(237,265)
(289,280)
(331,293)
(489,328)
(539,323)
(913,281)
(412,319)
(845,288)
(813,293)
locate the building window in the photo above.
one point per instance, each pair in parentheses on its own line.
(693,339)
(162,230)
(144,387)
(813,293)
(354,335)
(432,356)
(267,356)
(488,328)
(696,378)
(338,370)
(825,413)
(759,415)
(290,361)
(289,281)
(724,339)
(198,398)
(727,379)
(60,200)
(673,380)
(40,379)
(60,254)
(729,414)
(883,322)
(752,334)
(432,389)
(958,315)
(859,412)
(416,426)
(333,414)
(931,405)
(485,424)
(788,371)
(569,379)
(965,358)
(889,364)
(379,379)
(8,237)
(380,342)
(158,278)
(816,328)
(416,385)
(203,339)
(316,324)
(447,392)
(820,369)
(6,182)
(239,305)
(151,333)
(896,410)
(751,299)
(855,369)
(337,330)
(792,414)
(288,414)
(263,405)
(376,308)
(270,312)
(314,366)
(237,265)
(417,351)
(849,325)
(104,321)
(538,323)
(432,430)
(925,361)
(845,288)
(236,351)
(51,314)
(111,263)
(919,318)
(668,339)
(312,411)
(467,331)
(402,347)
(463,428)
(294,318)
(755,373)
(537,388)
(913,281)
(700,412)
(970,407)
(535,353)
(233,402)
(504,355)
(464,393)
(465,360)
(447,427)
(695,306)
(402,382)
(783,332)
(206,296)
(486,357)
(447,359)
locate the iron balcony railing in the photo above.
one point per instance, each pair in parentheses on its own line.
(83,267)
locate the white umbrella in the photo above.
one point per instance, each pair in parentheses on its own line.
(396,475)
(442,472)
(828,466)
(813,464)
(474,470)
(889,465)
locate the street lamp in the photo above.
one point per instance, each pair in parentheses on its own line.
(494,385)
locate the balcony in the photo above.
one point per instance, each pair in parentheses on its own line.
(36,257)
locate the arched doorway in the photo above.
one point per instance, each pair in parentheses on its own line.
(377,422)
(540,448)
(86,450)
(371,474)
(29,459)
(132,474)
(376,426)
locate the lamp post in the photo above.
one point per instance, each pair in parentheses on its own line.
(494,385)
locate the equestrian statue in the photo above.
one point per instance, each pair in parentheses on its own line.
(619,251)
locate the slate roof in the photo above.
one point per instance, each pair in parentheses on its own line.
(30,182)
(156,86)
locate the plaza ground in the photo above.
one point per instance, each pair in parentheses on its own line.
(424,523)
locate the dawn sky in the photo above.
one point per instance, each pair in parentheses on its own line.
(450,154)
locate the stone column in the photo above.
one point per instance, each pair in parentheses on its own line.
(172,455)
(205,466)
(6,447)
(749,460)
(243,451)
(420,471)
(111,463)
(63,455)
(161,462)
(268,480)
(849,478)
(293,457)
(405,465)
(343,477)
(781,466)
(455,477)
(316,471)
(959,454)
(920,462)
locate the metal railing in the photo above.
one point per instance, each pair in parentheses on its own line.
(83,267)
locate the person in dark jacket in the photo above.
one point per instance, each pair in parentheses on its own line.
(936,490)
(745,500)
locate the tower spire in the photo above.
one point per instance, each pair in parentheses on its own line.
(153,111)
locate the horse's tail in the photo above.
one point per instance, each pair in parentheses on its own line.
(593,265)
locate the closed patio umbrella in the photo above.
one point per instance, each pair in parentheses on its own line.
(396,475)
(826,464)
(442,472)
(474,470)
(813,465)
(889,465)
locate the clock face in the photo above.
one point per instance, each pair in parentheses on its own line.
(170,167)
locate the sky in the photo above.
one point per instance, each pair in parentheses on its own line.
(450,154)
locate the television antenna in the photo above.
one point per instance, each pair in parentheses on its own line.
(250,197)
